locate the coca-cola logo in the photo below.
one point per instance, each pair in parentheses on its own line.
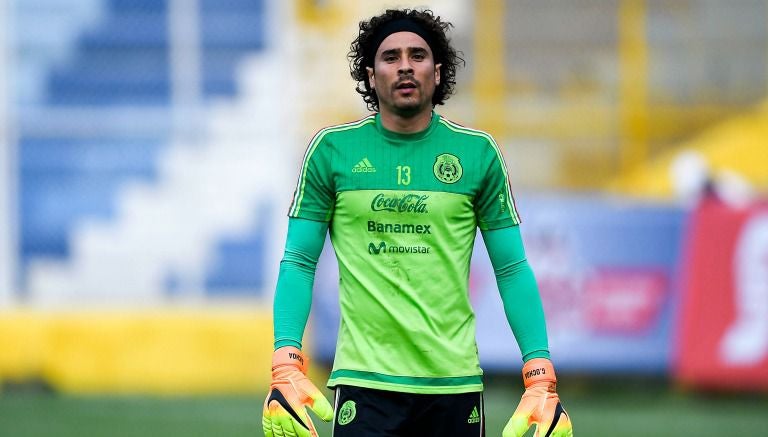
(415,203)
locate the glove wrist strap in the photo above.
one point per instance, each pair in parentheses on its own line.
(538,370)
(290,356)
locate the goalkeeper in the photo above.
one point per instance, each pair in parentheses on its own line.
(402,193)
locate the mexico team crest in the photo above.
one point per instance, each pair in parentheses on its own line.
(347,413)
(447,168)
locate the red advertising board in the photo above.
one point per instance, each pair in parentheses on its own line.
(723,324)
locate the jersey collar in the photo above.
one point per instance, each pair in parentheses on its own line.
(397,136)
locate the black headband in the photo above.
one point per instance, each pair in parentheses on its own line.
(405,24)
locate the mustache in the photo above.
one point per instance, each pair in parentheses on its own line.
(402,79)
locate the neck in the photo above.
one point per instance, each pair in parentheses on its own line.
(406,123)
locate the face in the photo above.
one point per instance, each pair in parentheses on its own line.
(404,74)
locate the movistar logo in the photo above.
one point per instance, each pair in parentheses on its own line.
(364,166)
(400,203)
(474,416)
(375,249)
(398,228)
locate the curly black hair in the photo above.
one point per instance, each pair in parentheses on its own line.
(362,52)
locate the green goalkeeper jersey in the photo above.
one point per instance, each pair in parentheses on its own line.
(403,210)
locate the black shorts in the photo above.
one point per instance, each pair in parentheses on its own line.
(365,412)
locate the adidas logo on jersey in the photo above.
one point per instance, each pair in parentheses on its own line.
(364,166)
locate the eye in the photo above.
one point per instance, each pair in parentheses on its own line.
(418,56)
(390,58)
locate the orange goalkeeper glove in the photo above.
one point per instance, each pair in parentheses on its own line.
(540,404)
(285,413)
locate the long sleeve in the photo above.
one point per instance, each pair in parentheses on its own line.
(518,289)
(293,293)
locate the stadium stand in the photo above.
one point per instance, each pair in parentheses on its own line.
(735,145)
(100,119)
(125,59)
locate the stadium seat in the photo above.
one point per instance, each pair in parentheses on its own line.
(64,179)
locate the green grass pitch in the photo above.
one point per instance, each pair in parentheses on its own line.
(616,410)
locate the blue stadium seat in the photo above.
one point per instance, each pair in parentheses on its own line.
(135,79)
(242,30)
(231,5)
(126,156)
(137,5)
(129,31)
(239,267)
(240,263)
(51,204)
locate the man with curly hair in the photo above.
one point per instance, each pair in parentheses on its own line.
(402,193)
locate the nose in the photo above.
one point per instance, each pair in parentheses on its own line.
(405,67)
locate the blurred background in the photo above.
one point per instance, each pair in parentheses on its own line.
(148,150)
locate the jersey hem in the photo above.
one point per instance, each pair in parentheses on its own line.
(404,388)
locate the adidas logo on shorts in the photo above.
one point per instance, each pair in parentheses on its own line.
(474,417)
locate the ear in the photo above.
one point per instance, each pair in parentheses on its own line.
(371,78)
(437,73)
